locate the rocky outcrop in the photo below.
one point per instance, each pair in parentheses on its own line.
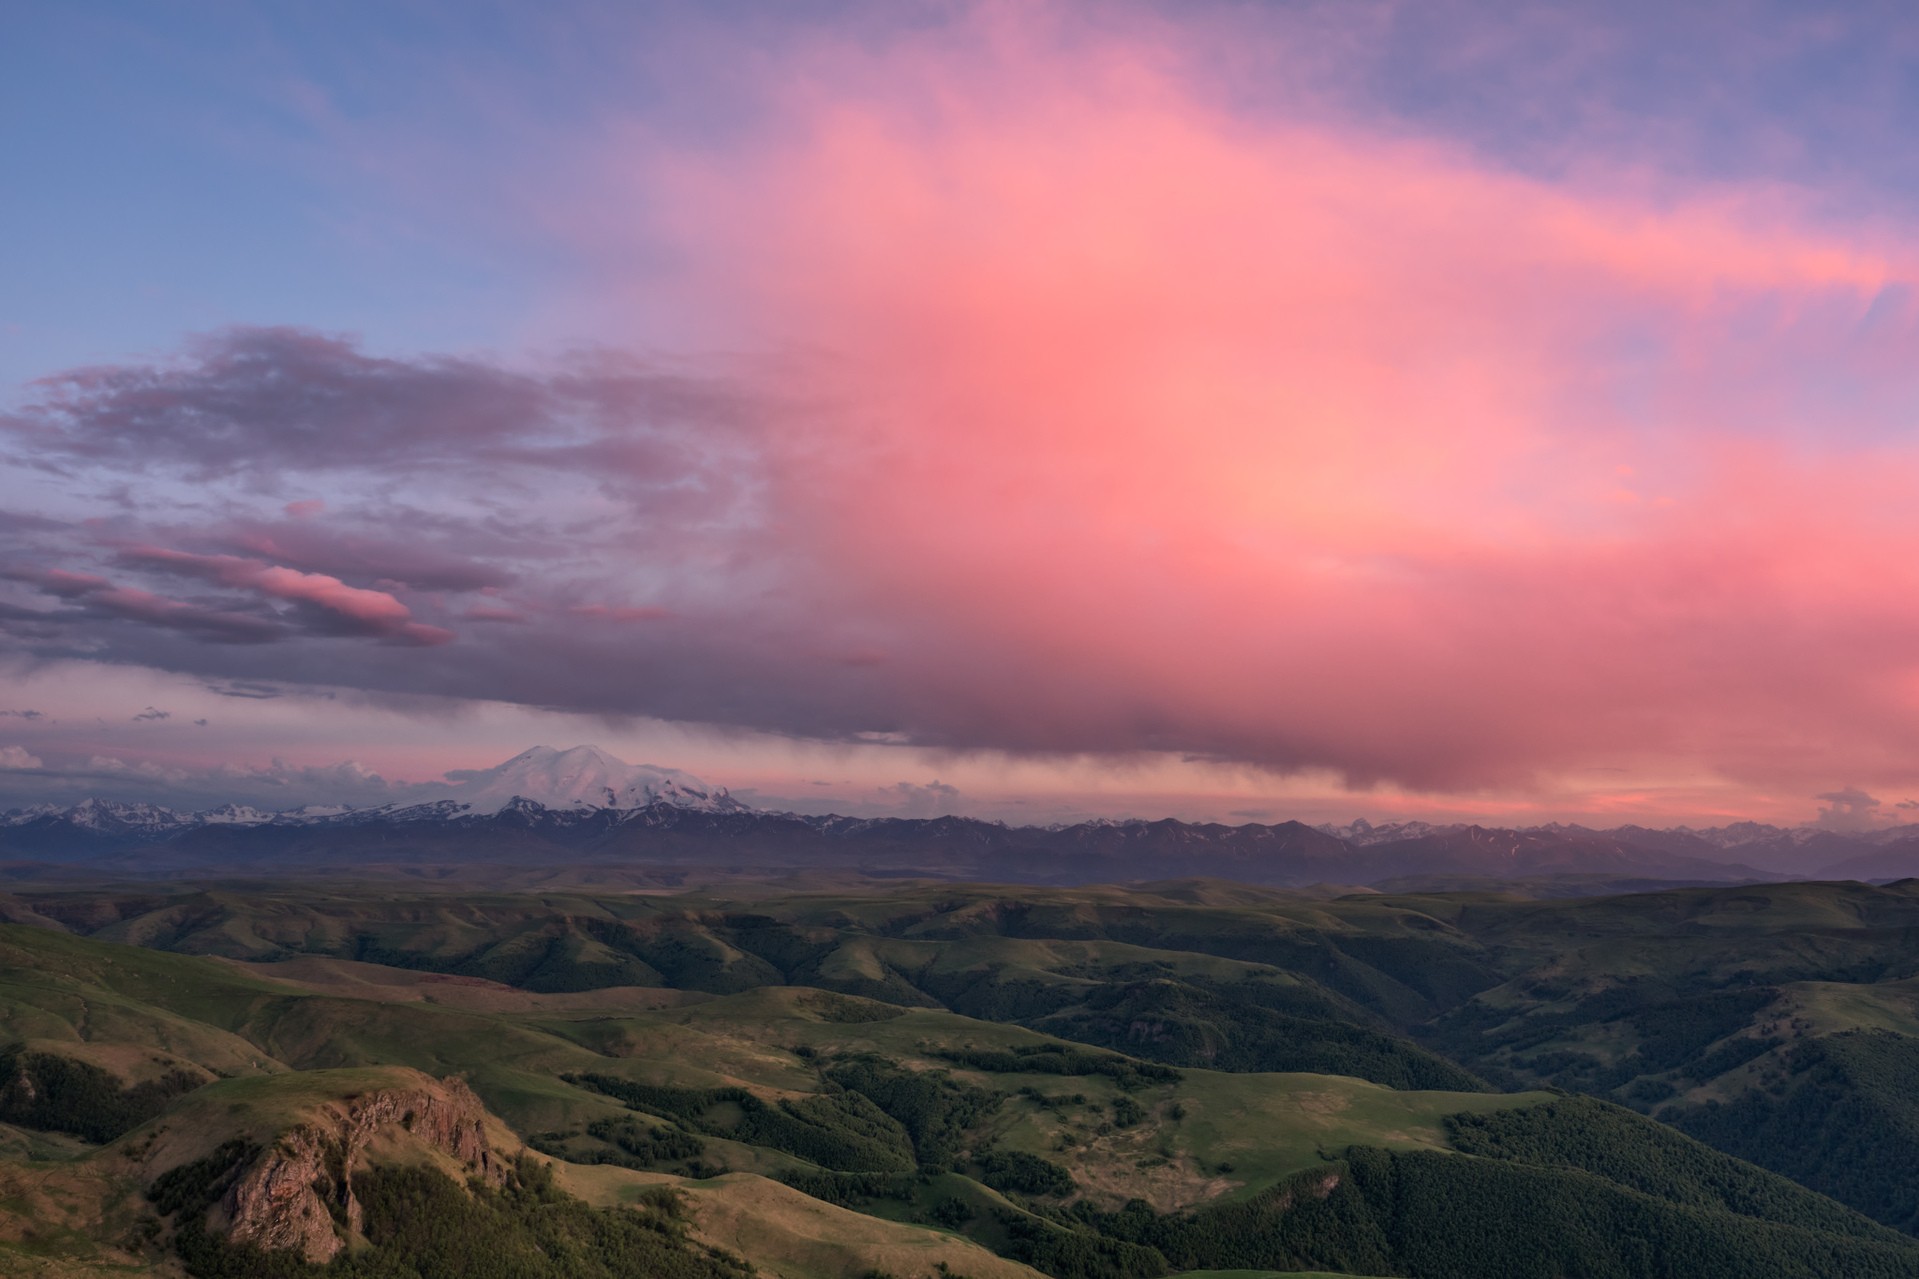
(298,1196)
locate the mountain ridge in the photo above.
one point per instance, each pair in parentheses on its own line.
(583,803)
(664,832)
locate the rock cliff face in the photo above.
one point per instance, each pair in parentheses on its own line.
(299,1195)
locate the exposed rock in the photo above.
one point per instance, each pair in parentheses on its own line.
(299,1194)
(275,1204)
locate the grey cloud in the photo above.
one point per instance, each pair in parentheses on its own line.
(153,713)
(1848,809)
(676,600)
(244,688)
(268,400)
(276,784)
(902,799)
(248,399)
(18,759)
(94,598)
(929,799)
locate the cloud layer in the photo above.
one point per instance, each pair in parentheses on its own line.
(1086,417)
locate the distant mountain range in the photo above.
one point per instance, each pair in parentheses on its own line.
(584,805)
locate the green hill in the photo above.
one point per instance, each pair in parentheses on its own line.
(1093,1084)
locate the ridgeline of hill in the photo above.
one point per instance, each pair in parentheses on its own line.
(1094,1083)
(688,833)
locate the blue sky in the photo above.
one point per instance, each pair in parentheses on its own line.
(178,167)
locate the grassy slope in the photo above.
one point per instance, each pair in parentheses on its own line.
(55,1219)
(1585,992)
(794,1234)
(1264,1126)
(1239,1133)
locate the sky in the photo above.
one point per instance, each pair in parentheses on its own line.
(1236,411)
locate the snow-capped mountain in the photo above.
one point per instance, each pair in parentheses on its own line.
(582,778)
(540,784)
(106,817)
(1361,833)
(234,815)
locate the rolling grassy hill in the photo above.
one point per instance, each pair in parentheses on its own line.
(1088,1082)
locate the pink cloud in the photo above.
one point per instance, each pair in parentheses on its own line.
(1149,426)
(62,582)
(373,612)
